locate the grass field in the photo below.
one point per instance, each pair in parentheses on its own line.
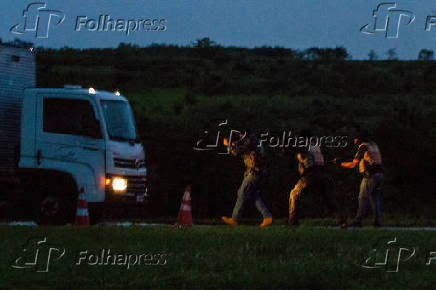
(187,112)
(219,257)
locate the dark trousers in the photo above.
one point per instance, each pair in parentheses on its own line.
(370,191)
(315,182)
(250,190)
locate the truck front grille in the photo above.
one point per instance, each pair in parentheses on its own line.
(129,163)
(136,184)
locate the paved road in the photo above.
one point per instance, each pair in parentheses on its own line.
(142,224)
(386,228)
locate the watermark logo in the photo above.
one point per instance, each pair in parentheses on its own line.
(37,254)
(234,136)
(37,19)
(388,255)
(387,19)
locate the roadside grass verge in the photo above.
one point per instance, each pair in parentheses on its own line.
(219,257)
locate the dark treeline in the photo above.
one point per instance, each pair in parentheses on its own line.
(211,69)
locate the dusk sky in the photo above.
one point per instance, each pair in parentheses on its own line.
(296,24)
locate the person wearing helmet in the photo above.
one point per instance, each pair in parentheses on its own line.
(369,161)
(252,154)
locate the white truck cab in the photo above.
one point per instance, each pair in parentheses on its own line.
(88,134)
(59,141)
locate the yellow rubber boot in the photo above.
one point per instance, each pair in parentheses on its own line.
(229,221)
(266,222)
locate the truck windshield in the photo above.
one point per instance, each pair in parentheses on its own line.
(119,121)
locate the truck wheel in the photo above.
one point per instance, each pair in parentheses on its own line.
(53,209)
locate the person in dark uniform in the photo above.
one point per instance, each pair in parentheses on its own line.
(369,160)
(252,154)
(313,178)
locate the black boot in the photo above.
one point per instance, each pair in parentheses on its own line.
(340,220)
(342,223)
(293,223)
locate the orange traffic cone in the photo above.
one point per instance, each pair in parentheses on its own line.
(82,214)
(184,218)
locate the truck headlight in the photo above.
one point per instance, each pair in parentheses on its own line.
(119,184)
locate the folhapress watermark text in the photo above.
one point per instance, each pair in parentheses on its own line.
(38,19)
(106,257)
(39,255)
(105,23)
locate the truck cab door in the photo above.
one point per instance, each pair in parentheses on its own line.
(69,139)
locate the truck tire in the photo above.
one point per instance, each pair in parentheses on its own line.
(54,208)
